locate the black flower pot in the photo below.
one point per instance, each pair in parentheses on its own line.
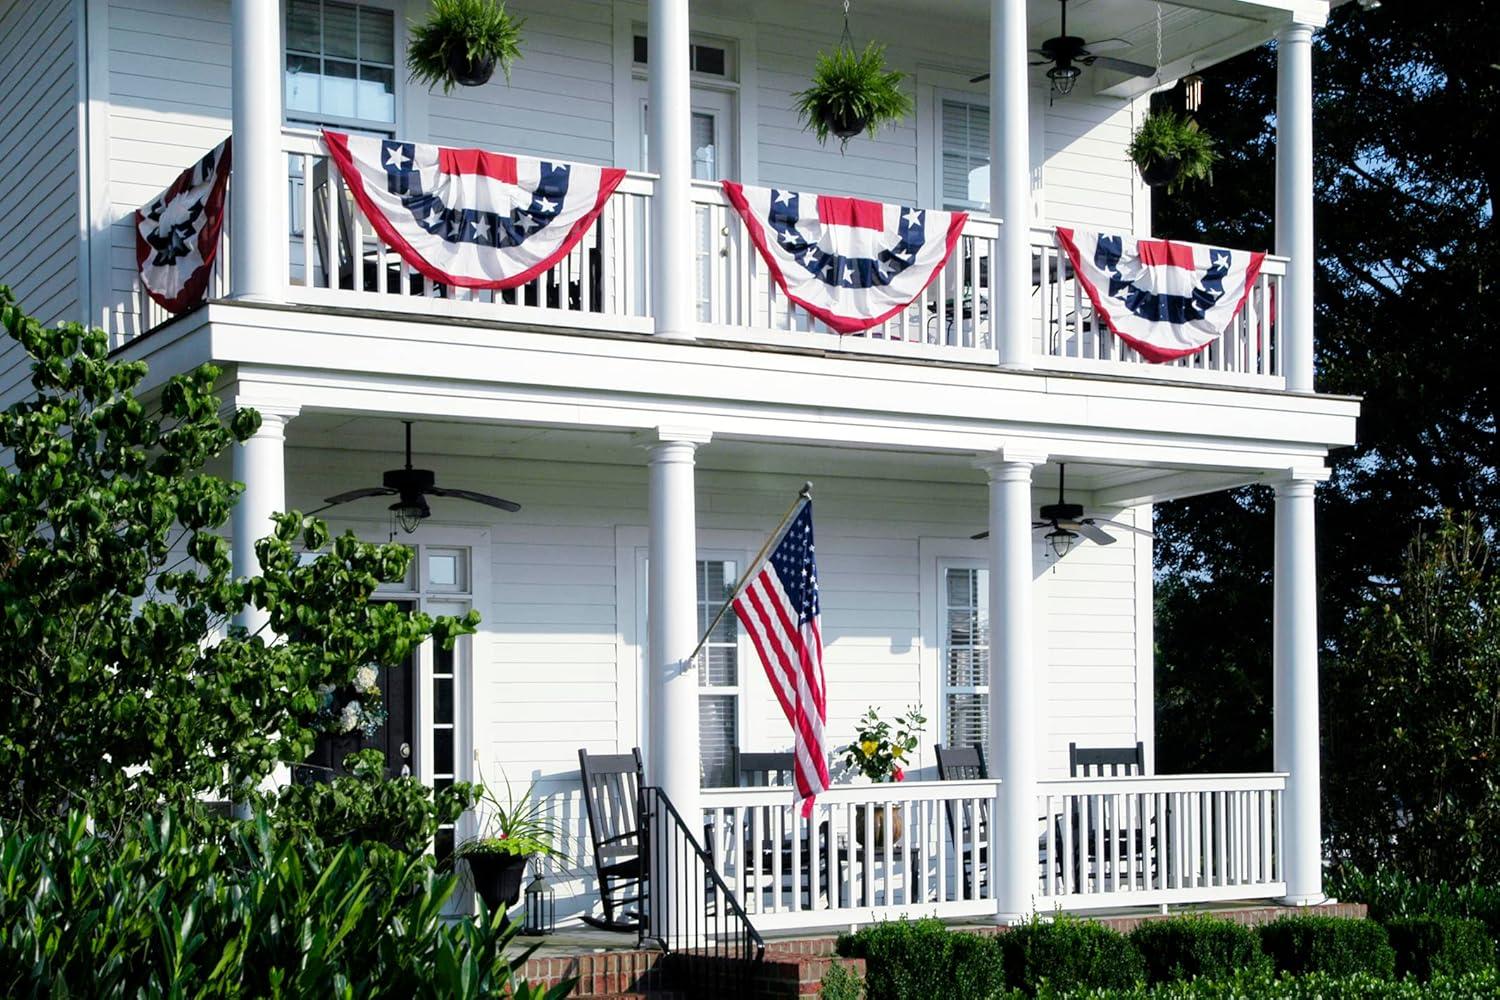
(847,126)
(497,878)
(470,72)
(1160,172)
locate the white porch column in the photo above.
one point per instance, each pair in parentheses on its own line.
(259,463)
(1010,180)
(1296,688)
(258,187)
(672,763)
(669,113)
(1294,197)
(1013,703)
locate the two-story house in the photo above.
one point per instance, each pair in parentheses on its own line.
(654,400)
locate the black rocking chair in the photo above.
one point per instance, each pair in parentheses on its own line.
(611,795)
(966,829)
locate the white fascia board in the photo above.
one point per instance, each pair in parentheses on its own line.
(371,363)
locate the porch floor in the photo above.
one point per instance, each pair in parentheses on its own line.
(614,965)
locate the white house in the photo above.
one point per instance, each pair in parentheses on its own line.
(654,402)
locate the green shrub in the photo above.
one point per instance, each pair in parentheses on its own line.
(1314,986)
(978,967)
(1069,954)
(1451,946)
(1391,894)
(159,912)
(904,959)
(1339,946)
(840,982)
(1197,947)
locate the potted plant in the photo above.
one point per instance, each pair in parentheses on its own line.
(513,833)
(879,752)
(461,41)
(1170,150)
(852,92)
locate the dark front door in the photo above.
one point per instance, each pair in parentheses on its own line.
(393,737)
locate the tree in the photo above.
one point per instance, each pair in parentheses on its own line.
(122,684)
(1406,119)
(1417,748)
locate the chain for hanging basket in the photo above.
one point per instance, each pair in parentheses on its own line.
(846,40)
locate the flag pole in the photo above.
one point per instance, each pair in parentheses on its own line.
(803,496)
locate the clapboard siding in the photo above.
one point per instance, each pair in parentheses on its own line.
(1087,179)
(38,158)
(563,617)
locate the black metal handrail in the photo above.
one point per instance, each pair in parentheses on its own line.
(709,941)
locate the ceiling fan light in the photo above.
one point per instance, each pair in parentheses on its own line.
(1061,540)
(1063,76)
(409,515)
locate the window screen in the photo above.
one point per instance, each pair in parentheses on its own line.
(966,155)
(966,657)
(340,62)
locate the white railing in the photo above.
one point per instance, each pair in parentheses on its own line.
(867,852)
(1127,841)
(335,258)
(1072,337)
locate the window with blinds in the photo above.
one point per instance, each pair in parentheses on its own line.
(966,154)
(966,656)
(718,675)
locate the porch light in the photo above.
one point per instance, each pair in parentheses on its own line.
(1063,76)
(409,515)
(1061,540)
(541,907)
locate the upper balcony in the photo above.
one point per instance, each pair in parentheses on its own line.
(976,312)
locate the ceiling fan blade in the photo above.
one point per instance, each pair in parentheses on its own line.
(359,494)
(1121,65)
(1091,531)
(980,78)
(1107,45)
(484,498)
(1119,526)
(980,536)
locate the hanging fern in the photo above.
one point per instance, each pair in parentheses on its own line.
(852,92)
(1165,136)
(462,31)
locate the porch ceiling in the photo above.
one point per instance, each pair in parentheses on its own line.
(435,441)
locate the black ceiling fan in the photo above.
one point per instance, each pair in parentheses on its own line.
(412,487)
(1067,522)
(1068,52)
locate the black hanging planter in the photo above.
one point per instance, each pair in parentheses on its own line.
(470,72)
(1160,172)
(497,877)
(847,126)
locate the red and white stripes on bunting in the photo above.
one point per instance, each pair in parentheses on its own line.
(470,218)
(851,263)
(177,234)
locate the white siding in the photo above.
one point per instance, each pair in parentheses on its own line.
(38,166)
(1088,180)
(563,619)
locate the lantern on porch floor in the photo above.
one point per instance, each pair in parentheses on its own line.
(541,907)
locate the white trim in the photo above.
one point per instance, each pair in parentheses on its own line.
(95,161)
(1145,637)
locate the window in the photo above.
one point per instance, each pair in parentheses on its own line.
(340,63)
(965,154)
(966,656)
(708,58)
(718,675)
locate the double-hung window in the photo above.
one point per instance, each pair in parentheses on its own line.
(341,64)
(719,679)
(966,656)
(965,154)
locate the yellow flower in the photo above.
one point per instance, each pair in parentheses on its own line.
(898,752)
(868,746)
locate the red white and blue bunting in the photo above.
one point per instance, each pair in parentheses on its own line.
(177,235)
(851,263)
(1163,298)
(467,217)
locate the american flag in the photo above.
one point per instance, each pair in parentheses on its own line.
(778,606)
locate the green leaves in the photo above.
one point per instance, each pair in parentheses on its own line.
(474,30)
(852,91)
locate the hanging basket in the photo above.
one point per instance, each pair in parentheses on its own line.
(848,126)
(1161,171)
(470,72)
